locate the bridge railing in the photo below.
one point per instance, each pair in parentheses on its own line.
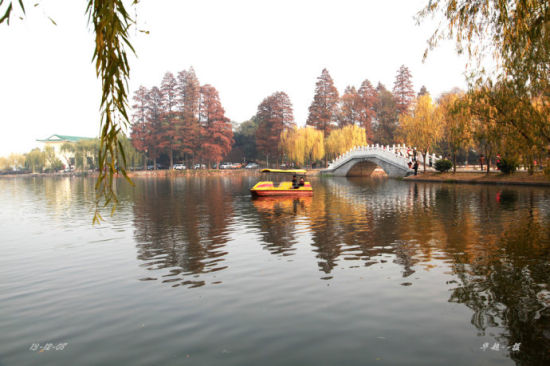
(399,154)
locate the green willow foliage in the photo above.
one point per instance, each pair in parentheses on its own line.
(110,22)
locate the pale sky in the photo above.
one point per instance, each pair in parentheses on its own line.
(246,49)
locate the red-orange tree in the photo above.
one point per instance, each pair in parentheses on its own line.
(368,98)
(274,115)
(323,110)
(189,106)
(216,133)
(350,108)
(170,137)
(403,90)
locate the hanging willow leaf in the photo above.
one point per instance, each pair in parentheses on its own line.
(111,23)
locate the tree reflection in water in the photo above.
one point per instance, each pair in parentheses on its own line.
(182,226)
(496,241)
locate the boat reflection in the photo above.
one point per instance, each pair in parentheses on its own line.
(295,205)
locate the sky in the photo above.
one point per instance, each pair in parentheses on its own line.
(246,49)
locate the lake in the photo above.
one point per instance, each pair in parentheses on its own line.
(192,271)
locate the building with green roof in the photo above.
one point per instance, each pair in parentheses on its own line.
(56,141)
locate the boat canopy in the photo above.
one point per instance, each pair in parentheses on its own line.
(284,171)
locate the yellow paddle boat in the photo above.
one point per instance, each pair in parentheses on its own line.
(269,188)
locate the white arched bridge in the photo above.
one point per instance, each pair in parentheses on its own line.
(363,160)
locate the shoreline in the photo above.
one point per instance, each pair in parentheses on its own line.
(494,178)
(153,173)
(518,178)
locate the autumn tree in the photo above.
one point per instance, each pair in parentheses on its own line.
(16,161)
(368,97)
(140,127)
(35,160)
(457,129)
(344,139)
(170,131)
(423,91)
(349,112)
(216,132)
(422,127)
(403,90)
(323,110)
(514,33)
(51,160)
(516,124)
(154,124)
(190,103)
(386,116)
(485,129)
(4,165)
(274,115)
(302,145)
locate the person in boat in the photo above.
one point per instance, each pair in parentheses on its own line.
(294,181)
(302,182)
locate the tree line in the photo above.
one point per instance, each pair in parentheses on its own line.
(186,122)
(489,123)
(182,119)
(359,116)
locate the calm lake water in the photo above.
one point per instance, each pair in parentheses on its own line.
(192,271)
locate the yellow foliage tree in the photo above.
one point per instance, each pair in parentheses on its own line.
(313,140)
(302,145)
(341,140)
(457,129)
(422,127)
(4,164)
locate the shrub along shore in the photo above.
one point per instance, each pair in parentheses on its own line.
(518,178)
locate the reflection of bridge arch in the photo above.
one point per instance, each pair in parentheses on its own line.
(362,161)
(397,196)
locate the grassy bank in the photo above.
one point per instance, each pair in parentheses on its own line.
(519,178)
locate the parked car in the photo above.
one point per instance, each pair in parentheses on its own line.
(179,167)
(226,166)
(252,166)
(236,165)
(199,166)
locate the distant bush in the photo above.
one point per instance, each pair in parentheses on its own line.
(443,165)
(507,165)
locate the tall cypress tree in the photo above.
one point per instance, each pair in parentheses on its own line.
(403,90)
(170,135)
(138,132)
(386,116)
(216,132)
(368,98)
(274,115)
(154,123)
(190,104)
(350,105)
(323,110)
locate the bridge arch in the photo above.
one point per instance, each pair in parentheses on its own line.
(363,160)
